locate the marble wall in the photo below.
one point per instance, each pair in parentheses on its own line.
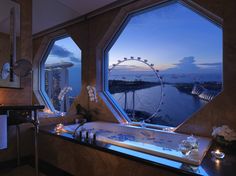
(82,161)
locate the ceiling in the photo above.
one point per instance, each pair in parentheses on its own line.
(49,13)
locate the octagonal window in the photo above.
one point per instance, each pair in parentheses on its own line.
(61,74)
(164,64)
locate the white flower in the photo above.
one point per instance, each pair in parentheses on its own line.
(92,93)
(63,92)
(224,131)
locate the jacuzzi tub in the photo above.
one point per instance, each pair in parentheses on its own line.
(155,142)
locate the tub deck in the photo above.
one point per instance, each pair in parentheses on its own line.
(154,142)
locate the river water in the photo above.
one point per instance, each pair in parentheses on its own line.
(176,108)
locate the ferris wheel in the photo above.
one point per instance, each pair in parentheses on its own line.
(157,78)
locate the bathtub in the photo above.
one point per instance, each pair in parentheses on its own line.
(155,142)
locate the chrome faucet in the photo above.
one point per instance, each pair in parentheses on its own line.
(80,124)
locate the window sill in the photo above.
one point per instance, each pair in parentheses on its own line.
(151,126)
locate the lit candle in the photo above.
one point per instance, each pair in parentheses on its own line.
(60,128)
(47,111)
(218,154)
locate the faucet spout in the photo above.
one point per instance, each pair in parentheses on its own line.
(81,124)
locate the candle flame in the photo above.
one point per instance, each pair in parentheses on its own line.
(47,111)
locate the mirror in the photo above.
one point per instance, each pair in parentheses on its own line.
(22,68)
(9,43)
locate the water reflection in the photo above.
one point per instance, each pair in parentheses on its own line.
(177,106)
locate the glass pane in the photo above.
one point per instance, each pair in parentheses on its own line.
(172,42)
(63,73)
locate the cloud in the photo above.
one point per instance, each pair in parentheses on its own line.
(60,51)
(185,65)
(210,64)
(63,53)
(128,68)
(189,65)
(186,61)
(75,59)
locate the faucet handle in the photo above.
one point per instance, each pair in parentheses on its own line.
(94,138)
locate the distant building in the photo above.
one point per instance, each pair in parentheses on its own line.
(57,78)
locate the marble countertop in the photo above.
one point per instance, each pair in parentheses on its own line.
(20,107)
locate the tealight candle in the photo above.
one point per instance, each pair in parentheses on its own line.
(218,154)
(60,128)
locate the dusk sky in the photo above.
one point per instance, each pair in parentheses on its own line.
(170,36)
(64,50)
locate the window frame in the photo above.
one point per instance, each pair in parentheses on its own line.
(106,45)
(39,62)
(42,74)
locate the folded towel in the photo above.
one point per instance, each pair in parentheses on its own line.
(3,131)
